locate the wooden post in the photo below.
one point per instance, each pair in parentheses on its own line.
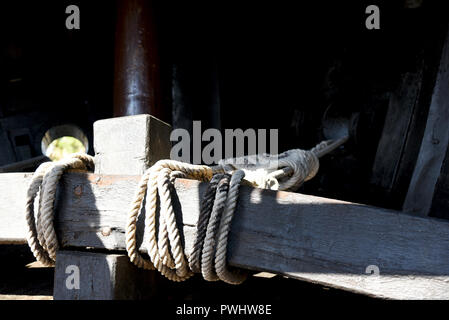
(126,145)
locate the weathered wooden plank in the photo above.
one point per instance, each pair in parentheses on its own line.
(400,113)
(404,127)
(13,188)
(440,202)
(305,237)
(434,144)
(315,239)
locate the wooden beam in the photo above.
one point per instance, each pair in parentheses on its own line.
(401,111)
(315,239)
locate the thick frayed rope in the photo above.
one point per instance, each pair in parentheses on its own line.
(209,242)
(225,274)
(262,170)
(286,171)
(41,235)
(167,253)
(212,241)
(203,220)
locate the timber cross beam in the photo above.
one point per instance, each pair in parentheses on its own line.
(321,240)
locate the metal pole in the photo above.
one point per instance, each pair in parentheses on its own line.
(137,84)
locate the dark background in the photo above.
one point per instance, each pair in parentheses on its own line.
(234,64)
(238,65)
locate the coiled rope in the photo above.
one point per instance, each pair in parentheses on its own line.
(286,171)
(41,235)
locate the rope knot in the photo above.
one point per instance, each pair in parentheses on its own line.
(285,171)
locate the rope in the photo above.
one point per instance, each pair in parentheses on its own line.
(209,245)
(166,254)
(201,227)
(41,235)
(232,277)
(286,171)
(262,171)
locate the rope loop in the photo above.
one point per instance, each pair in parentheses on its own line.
(41,235)
(165,250)
(163,241)
(284,171)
